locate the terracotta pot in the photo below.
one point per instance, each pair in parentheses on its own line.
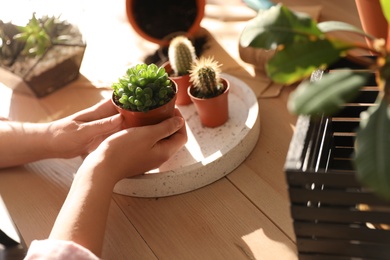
(154,116)
(372,19)
(164,25)
(182,82)
(214,111)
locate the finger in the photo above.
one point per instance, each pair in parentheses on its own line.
(105,126)
(168,127)
(103,109)
(173,143)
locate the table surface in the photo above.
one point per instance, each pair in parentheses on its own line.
(244,215)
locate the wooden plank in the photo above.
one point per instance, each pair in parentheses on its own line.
(357,232)
(338,215)
(214,222)
(344,248)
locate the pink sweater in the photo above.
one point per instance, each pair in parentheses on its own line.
(57,250)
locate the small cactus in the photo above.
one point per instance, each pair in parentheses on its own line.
(205,77)
(181,54)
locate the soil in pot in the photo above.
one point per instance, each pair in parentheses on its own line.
(156,19)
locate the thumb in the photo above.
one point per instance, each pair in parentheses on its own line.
(169,127)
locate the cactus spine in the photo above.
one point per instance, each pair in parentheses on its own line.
(181,54)
(205,77)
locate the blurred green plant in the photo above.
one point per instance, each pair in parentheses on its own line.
(32,39)
(302,46)
(143,87)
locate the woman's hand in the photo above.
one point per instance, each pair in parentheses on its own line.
(129,152)
(82,132)
(137,150)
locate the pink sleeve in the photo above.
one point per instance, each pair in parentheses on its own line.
(58,249)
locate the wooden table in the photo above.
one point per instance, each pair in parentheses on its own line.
(244,215)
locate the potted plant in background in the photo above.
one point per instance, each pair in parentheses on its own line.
(46,52)
(303,46)
(336,209)
(145,95)
(181,54)
(209,92)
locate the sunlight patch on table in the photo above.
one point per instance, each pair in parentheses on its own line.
(267,248)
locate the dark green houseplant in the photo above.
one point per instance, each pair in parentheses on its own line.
(46,52)
(144,95)
(302,46)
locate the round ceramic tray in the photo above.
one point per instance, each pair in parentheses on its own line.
(210,153)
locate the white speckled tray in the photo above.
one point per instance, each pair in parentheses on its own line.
(210,153)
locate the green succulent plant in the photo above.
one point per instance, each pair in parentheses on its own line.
(181,54)
(143,87)
(205,78)
(39,34)
(32,39)
(302,46)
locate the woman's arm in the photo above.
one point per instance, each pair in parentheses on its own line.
(127,153)
(22,142)
(74,135)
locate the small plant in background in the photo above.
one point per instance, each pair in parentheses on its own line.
(302,46)
(36,37)
(181,54)
(205,78)
(39,34)
(143,88)
(46,53)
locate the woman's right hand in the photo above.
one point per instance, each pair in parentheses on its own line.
(136,150)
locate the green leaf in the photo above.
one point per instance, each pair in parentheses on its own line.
(298,61)
(386,9)
(278,25)
(326,95)
(373,149)
(331,26)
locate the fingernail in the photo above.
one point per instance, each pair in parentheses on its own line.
(179,121)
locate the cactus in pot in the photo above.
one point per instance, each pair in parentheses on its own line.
(205,78)
(181,55)
(209,92)
(142,91)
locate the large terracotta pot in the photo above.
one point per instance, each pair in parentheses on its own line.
(152,19)
(182,82)
(214,111)
(154,116)
(373,20)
